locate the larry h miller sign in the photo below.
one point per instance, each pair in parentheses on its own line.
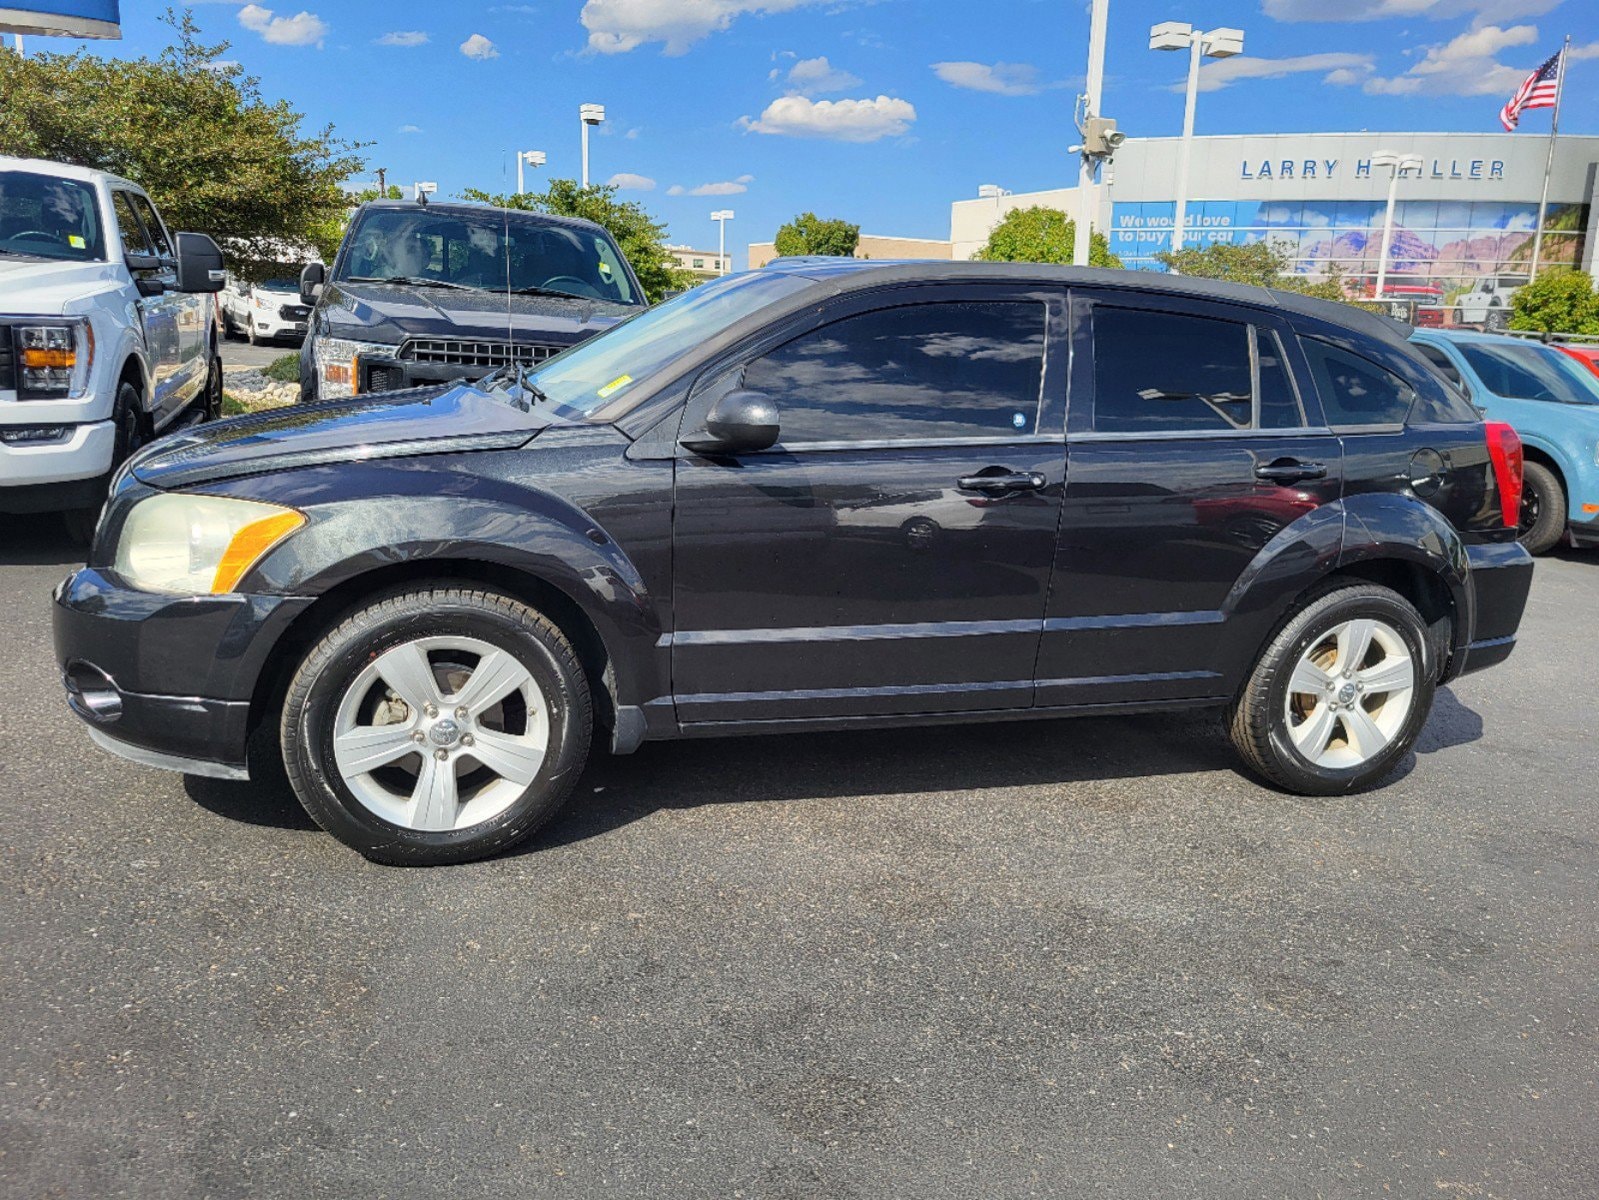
(63,18)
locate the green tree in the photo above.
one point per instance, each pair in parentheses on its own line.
(1265,264)
(1042,235)
(641,237)
(811,234)
(1557,301)
(192,130)
(328,232)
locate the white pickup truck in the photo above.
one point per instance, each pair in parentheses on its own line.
(108,334)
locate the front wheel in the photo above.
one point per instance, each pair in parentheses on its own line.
(128,418)
(1543,509)
(213,391)
(1340,695)
(437,726)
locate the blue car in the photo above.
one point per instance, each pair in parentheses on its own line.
(1553,403)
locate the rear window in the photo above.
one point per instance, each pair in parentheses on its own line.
(1355,391)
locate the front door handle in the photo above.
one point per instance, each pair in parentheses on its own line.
(1290,470)
(1015,481)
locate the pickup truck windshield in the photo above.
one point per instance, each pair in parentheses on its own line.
(599,373)
(475,250)
(42,216)
(1532,373)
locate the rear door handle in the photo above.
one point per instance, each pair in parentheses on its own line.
(1290,470)
(1015,481)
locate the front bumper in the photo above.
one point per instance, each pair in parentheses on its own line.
(1501,578)
(166,680)
(83,453)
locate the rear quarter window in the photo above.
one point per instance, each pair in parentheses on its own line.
(1355,391)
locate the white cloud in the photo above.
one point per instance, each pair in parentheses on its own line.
(1467,65)
(843,120)
(404,37)
(628,182)
(302,29)
(729,187)
(1334,68)
(1378,10)
(479,47)
(1004,79)
(816,76)
(410,129)
(617,26)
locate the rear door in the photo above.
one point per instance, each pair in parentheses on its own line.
(891,554)
(1190,448)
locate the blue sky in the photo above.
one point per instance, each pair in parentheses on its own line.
(879,111)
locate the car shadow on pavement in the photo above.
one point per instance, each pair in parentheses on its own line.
(37,541)
(1451,724)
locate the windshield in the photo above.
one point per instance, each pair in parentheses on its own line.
(473,250)
(581,381)
(1532,373)
(45,217)
(280,284)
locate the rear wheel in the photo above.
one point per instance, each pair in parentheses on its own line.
(1340,695)
(437,726)
(1543,509)
(213,391)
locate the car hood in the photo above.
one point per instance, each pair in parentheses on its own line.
(32,285)
(384,312)
(389,425)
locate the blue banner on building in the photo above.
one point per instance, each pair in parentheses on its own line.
(63,18)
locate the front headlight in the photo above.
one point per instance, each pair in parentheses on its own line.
(338,365)
(53,358)
(196,545)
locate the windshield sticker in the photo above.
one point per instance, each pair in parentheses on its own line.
(616,385)
(76,242)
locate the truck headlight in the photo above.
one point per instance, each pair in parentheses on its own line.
(191,545)
(338,365)
(53,359)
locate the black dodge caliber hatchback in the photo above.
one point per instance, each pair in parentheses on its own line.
(818,496)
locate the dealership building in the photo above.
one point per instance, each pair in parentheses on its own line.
(1466,213)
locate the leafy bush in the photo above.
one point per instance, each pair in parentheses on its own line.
(1042,235)
(811,234)
(283,370)
(1559,300)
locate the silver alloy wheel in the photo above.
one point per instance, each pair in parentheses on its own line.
(1350,694)
(441,733)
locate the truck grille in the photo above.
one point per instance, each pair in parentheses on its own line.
(294,312)
(8,374)
(457,352)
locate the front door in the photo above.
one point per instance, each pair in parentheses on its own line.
(158,313)
(191,314)
(891,554)
(1189,450)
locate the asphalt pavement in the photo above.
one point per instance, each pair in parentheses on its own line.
(1040,959)
(239,353)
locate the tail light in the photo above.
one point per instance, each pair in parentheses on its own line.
(1504,448)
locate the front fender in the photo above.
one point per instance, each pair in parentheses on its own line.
(367,517)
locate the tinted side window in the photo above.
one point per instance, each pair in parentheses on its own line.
(152,225)
(921,371)
(1355,391)
(1440,361)
(1279,401)
(133,239)
(1164,372)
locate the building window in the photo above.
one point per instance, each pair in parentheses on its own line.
(699,262)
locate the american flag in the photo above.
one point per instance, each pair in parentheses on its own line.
(1538,91)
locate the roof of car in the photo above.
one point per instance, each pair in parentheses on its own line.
(854,272)
(44,166)
(1472,335)
(469,208)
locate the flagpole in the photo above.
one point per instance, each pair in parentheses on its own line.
(1549,163)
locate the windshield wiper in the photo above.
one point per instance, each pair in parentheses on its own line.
(414,281)
(544,291)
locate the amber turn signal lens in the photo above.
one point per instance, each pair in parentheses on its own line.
(60,360)
(248,546)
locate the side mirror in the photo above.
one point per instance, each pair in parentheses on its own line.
(200,266)
(312,280)
(739,423)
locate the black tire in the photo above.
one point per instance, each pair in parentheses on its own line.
(128,416)
(334,664)
(1259,722)
(213,390)
(1543,510)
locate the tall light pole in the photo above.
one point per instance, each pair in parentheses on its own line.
(527,158)
(721,217)
(1398,164)
(590,114)
(1217,43)
(1098,15)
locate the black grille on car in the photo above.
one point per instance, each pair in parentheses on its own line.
(472,352)
(8,362)
(294,312)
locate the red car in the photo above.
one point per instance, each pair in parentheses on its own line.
(1587,355)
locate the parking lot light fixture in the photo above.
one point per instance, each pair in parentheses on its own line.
(423,190)
(527,158)
(1215,43)
(589,114)
(721,217)
(1399,164)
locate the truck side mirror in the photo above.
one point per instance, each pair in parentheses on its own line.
(200,266)
(312,279)
(740,422)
